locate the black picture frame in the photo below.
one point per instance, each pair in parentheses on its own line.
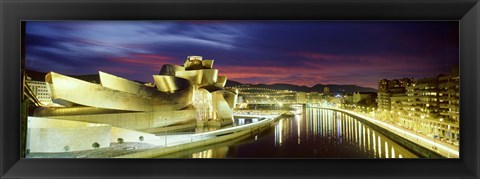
(467,12)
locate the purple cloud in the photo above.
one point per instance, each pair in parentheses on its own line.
(296,52)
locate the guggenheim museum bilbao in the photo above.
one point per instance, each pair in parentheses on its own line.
(192,94)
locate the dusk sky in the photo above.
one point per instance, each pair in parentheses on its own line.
(294,52)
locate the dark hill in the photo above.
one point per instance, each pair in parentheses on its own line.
(317,88)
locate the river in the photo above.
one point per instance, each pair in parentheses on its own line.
(313,133)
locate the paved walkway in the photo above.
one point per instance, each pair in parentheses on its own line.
(172,140)
(115,149)
(168,140)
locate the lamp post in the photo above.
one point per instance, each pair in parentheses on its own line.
(434,144)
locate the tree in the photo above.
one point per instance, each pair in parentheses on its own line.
(120,140)
(141,138)
(66,148)
(96,145)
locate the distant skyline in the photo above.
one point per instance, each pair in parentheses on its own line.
(293,52)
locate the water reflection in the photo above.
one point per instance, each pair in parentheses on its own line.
(315,133)
(218,152)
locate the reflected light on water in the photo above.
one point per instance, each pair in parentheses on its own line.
(368,138)
(386,150)
(364,138)
(393,152)
(379,147)
(374,144)
(204,154)
(297,119)
(314,133)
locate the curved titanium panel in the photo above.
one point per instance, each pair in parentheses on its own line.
(208,64)
(170,69)
(124,85)
(209,77)
(89,94)
(230,98)
(221,81)
(203,77)
(183,98)
(193,76)
(221,109)
(193,64)
(170,84)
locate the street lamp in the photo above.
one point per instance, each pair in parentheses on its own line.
(434,144)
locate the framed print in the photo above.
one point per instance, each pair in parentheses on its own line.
(240,89)
(324,97)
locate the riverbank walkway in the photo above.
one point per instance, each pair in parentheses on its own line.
(175,143)
(445,150)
